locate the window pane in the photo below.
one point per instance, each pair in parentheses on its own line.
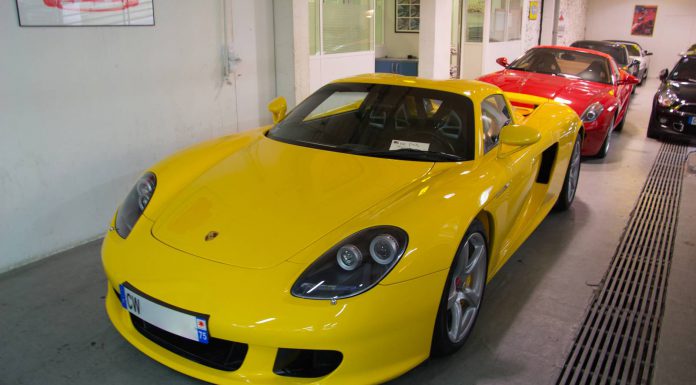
(313,27)
(495,116)
(515,20)
(498,20)
(347,25)
(474,20)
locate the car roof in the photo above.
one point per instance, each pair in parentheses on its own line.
(473,89)
(576,49)
(624,41)
(599,42)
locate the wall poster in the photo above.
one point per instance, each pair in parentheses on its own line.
(69,13)
(644,20)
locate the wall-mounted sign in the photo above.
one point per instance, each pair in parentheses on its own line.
(644,20)
(66,13)
(533,10)
(407,16)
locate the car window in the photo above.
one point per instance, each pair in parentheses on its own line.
(337,103)
(567,63)
(685,70)
(383,121)
(619,53)
(494,116)
(633,49)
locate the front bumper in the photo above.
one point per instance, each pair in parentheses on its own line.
(381,333)
(595,133)
(673,123)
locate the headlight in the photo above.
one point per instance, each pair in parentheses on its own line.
(132,208)
(592,112)
(667,98)
(354,265)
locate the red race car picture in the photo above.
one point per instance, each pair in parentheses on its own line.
(588,81)
(91,5)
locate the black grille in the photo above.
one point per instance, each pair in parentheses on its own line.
(617,341)
(688,108)
(306,363)
(218,354)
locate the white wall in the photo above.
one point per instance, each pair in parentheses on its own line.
(435,39)
(83,111)
(572,27)
(397,45)
(675,27)
(530,28)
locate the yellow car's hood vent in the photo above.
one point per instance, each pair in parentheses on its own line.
(266,202)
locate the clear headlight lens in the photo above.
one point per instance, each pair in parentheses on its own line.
(592,112)
(135,203)
(667,98)
(354,265)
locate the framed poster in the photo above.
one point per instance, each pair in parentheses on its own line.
(533,10)
(77,13)
(407,16)
(644,20)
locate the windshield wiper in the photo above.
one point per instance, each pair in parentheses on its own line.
(409,153)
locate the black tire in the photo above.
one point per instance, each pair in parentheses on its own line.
(652,132)
(619,127)
(442,344)
(602,153)
(572,178)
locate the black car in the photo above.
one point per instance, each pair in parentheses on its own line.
(674,105)
(616,50)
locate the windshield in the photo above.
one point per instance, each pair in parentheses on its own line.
(566,63)
(383,121)
(685,70)
(615,51)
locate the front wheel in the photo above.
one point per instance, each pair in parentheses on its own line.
(570,183)
(607,142)
(463,293)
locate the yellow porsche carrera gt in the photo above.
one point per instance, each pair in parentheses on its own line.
(343,245)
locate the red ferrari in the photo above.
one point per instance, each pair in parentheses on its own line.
(588,81)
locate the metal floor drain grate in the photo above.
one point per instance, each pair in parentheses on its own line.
(617,341)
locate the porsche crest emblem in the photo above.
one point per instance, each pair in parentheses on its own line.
(211,235)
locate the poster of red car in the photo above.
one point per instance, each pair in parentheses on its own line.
(644,20)
(62,13)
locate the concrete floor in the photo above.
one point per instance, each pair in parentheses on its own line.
(54,329)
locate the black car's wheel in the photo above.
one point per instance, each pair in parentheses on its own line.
(463,293)
(570,183)
(604,150)
(652,130)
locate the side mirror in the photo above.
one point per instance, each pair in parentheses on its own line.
(278,107)
(519,135)
(647,53)
(663,74)
(502,61)
(628,79)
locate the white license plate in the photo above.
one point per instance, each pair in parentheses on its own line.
(692,120)
(185,324)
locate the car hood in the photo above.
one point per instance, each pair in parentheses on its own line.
(264,203)
(577,94)
(686,91)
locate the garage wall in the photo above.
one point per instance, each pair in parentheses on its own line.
(398,45)
(572,27)
(675,27)
(83,111)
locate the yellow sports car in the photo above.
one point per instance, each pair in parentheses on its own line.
(347,243)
